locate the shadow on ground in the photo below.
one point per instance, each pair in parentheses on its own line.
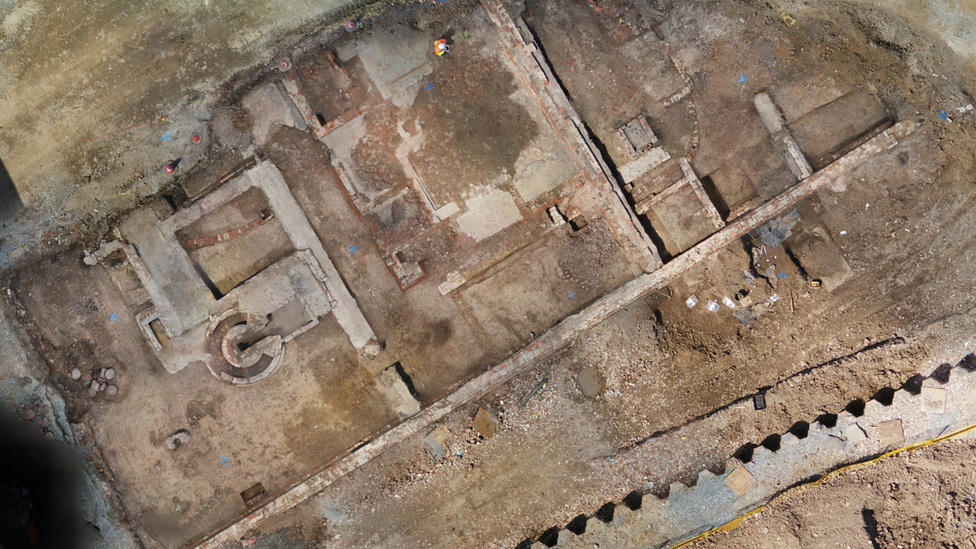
(10,202)
(40,489)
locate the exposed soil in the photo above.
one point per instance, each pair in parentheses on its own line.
(608,81)
(923,498)
(901,226)
(98,97)
(375,156)
(468,110)
(333,91)
(666,365)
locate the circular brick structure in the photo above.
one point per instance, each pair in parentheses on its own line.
(240,356)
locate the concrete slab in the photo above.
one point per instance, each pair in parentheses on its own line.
(740,480)
(488,213)
(769,113)
(392,386)
(542,171)
(854,434)
(296,112)
(933,400)
(341,141)
(293,219)
(179,285)
(783,140)
(891,433)
(652,159)
(279,284)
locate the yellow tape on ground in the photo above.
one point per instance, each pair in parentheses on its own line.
(734,523)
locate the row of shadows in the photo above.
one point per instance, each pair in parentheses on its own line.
(550,537)
(800,429)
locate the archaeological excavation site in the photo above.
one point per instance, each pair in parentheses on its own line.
(500,274)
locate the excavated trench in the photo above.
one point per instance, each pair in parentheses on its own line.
(773,443)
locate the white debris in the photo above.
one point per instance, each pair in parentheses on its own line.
(557,217)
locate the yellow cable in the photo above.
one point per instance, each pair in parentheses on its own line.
(734,523)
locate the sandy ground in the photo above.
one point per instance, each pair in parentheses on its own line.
(665,365)
(922,498)
(323,400)
(76,79)
(902,223)
(296,419)
(98,97)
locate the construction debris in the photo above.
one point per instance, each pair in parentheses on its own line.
(485,423)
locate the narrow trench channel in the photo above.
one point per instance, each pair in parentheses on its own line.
(604,155)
